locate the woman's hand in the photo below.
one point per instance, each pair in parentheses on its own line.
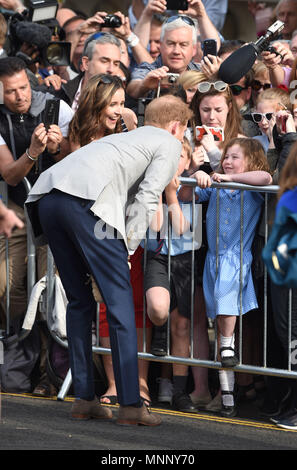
(208,141)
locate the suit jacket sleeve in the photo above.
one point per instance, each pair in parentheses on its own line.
(158,174)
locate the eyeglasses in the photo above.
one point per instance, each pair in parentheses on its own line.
(186,19)
(256,85)
(258,117)
(204,87)
(237,89)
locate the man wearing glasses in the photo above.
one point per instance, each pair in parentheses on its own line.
(178,45)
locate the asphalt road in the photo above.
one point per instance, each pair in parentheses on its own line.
(29,423)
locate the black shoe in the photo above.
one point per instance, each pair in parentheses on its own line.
(229,361)
(159,341)
(229,411)
(283,416)
(289,421)
(181,401)
(273,407)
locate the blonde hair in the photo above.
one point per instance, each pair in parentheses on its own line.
(275,94)
(190,78)
(187,147)
(161,111)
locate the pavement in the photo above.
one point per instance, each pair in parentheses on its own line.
(30,423)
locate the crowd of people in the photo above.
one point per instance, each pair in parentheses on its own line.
(155,54)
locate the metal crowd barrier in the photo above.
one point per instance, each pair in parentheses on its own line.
(211,363)
(31,255)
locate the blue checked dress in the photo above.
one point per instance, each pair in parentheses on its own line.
(222,292)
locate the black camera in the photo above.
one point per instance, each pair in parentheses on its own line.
(112,21)
(37,34)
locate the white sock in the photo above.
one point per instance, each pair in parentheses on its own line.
(227,342)
(227,378)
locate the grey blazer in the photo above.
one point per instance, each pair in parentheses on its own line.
(124,174)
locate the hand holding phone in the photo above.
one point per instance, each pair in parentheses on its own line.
(177,4)
(217,132)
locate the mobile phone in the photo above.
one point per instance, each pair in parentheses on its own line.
(217,132)
(51,113)
(284,123)
(177,4)
(209,47)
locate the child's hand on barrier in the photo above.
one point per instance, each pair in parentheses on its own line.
(221,177)
(203,179)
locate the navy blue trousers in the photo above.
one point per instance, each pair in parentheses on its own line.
(69,226)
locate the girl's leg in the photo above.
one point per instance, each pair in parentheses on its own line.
(226,326)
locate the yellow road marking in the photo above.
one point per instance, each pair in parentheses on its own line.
(205,417)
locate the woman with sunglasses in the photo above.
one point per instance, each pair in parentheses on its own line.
(101,112)
(214,107)
(261,81)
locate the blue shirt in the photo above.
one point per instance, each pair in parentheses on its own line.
(179,243)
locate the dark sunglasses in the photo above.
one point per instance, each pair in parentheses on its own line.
(186,19)
(109,79)
(256,85)
(237,89)
(258,117)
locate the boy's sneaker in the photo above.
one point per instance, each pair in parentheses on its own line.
(165,390)
(289,421)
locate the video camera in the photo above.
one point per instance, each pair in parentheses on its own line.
(36,26)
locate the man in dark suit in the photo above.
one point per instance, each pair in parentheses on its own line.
(95,208)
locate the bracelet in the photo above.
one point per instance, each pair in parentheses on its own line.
(132,40)
(31,158)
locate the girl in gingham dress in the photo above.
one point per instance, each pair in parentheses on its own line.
(243,161)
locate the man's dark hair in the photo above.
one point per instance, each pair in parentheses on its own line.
(11,65)
(73,19)
(230,45)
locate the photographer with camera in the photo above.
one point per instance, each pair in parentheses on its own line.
(29,144)
(178,46)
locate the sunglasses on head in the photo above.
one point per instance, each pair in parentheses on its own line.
(237,89)
(256,85)
(258,117)
(186,19)
(204,87)
(109,79)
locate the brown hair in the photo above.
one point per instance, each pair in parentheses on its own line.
(232,127)
(288,175)
(253,152)
(93,100)
(161,111)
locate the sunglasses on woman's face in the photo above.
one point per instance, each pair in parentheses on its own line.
(258,117)
(204,87)
(237,89)
(186,19)
(256,85)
